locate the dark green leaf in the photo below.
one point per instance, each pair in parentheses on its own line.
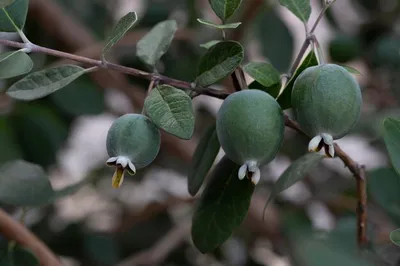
(14,63)
(17,11)
(171,110)
(219,26)
(300,8)
(42,83)
(10,149)
(295,172)
(273,90)
(219,62)
(24,184)
(395,237)
(263,72)
(285,98)
(4,3)
(16,256)
(225,8)
(391,136)
(222,207)
(101,249)
(156,42)
(209,44)
(203,159)
(351,70)
(122,27)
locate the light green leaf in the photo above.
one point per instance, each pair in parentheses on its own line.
(295,172)
(220,61)
(24,184)
(285,98)
(222,207)
(14,63)
(42,83)
(351,70)
(17,11)
(263,72)
(395,237)
(156,42)
(203,159)
(391,136)
(4,3)
(225,8)
(122,27)
(209,44)
(300,8)
(220,26)
(171,110)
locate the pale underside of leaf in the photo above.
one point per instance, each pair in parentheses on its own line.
(14,63)
(220,26)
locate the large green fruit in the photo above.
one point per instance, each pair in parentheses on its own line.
(326,101)
(133,142)
(250,127)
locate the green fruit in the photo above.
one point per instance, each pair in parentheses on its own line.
(133,142)
(250,127)
(326,102)
(344,48)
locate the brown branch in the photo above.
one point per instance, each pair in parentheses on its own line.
(14,230)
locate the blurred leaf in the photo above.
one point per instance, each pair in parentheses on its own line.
(263,72)
(203,159)
(156,42)
(44,82)
(222,206)
(300,8)
(16,256)
(81,97)
(120,29)
(272,90)
(101,249)
(395,237)
(219,62)
(344,48)
(285,98)
(295,172)
(391,136)
(17,11)
(14,63)
(8,143)
(209,44)
(4,3)
(24,184)
(171,110)
(351,70)
(225,8)
(219,26)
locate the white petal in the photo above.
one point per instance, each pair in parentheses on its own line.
(252,165)
(132,168)
(332,150)
(314,143)
(242,171)
(123,161)
(112,160)
(255,178)
(328,139)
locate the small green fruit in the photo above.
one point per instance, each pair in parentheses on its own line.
(133,142)
(326,101)
(250,127)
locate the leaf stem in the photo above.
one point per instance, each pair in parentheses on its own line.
(151,85)
(19,31)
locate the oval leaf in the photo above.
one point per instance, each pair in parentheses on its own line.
(122,27)
(219,62)
(222,207)
(225,8)
(219,26)
(156,42)
(24,184)
(263,72)
(395,237)
(42,83)
(209,44)
(300,8)
(171,110)
(14,63)
(4,3)
(203,159)
(17,11)
(285,98)
(272,90)
(391,136)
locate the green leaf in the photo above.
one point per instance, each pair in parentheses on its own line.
(285,98)
(395,237)
(4,3)
(17,11)
(351,70)
(16,256)
(295,172)
(272,90)
(156,42)
(122,27)
(220,26)
(300,8)
(209,44)
(225,8)
(222,207)
(263,72)
(219,62)
(42,83)
(171,110)
(14,63)
(203,159)
(391,136)
(10,149)
(24,184)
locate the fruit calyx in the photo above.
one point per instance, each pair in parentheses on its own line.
(251,170)
(121,163)
(322,140)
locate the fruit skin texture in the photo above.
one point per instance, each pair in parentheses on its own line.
(250,127)
(326,101)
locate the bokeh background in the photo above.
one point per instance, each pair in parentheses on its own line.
(147,221)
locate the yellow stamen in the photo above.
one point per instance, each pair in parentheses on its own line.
(118,177)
